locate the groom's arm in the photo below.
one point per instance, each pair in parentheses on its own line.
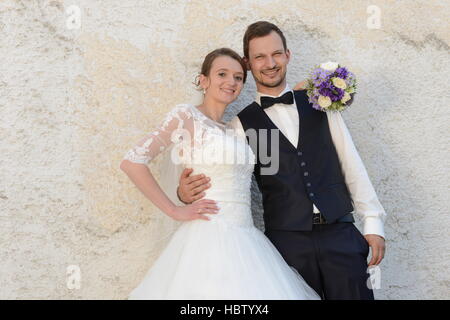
(361,190)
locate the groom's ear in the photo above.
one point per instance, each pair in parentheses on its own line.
(247,63)
(288,54)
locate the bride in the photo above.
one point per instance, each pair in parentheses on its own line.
(217,252)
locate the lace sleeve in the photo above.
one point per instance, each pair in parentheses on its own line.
(163,136)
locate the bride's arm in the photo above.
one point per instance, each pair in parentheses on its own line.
(135,162)
(141,176)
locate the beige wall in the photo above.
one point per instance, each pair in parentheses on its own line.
(74,98)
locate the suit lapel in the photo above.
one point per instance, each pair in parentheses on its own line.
(307,118)
(301,110)
(271,125)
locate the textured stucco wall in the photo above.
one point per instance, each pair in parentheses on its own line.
(74,97)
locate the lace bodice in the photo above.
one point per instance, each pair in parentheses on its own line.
(207,146)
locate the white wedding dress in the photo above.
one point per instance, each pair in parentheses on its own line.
(226,257)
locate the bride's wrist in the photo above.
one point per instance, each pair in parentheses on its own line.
(172,212)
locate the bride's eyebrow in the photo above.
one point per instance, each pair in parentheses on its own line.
(223,69)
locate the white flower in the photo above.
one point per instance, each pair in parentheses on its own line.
(339,83)
(324,102)
(330,66)
(346,97)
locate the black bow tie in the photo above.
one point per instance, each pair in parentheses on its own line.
(287,98)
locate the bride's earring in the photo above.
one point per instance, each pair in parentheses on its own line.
(204,91)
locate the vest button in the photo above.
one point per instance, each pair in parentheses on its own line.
(303,164)
(308,184)
(300,153)
(311,194)
(306,173)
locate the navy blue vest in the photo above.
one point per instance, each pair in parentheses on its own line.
(309,173)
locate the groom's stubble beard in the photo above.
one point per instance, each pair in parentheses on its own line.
(271,85)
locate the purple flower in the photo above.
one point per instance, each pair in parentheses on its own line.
(342,72)
(326,89)
(318,75)
(350,79)
(337,94)
(314,101)
(316,106)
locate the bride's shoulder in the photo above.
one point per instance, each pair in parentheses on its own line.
(187,108)
(182,107)
(191,111)
(179,114)
(182,110)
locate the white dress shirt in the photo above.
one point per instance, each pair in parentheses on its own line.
(365,200)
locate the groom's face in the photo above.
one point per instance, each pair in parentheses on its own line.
(268,60)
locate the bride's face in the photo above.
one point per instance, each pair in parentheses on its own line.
(225,80)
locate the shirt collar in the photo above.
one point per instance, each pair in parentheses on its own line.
(259,94)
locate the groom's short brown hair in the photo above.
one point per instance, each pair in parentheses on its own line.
(261,29)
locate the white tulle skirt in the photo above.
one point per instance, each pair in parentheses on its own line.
(215,259)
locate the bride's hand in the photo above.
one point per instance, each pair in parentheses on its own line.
(195,210)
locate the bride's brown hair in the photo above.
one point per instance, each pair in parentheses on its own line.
(210,57)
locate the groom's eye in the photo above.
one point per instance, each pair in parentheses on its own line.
(239,78)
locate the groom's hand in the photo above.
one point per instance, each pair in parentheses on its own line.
(378,248)
(191,187)
(352,97)
(300,86)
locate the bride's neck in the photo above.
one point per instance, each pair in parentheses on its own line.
(212,109)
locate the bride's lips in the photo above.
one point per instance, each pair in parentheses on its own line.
(229,91)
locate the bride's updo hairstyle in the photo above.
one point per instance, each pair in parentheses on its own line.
(210,57)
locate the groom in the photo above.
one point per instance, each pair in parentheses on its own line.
(310,200)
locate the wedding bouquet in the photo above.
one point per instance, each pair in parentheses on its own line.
(331,87)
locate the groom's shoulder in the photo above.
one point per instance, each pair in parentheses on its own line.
(301,97)
(248,109)
(300,94)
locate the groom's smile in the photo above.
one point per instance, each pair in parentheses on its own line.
(272,73)
(273,77)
